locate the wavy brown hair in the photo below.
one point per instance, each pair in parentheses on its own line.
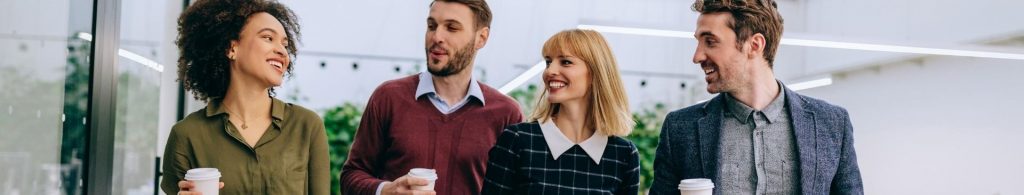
(205,32)
(480,9)
(749,17)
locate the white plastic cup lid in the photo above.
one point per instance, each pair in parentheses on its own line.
(202,174)
(424,173)
(696,184)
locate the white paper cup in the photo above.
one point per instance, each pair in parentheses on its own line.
(699,186)
(206,180)
(423,173)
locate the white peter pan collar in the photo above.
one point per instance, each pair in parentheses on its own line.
(559,144)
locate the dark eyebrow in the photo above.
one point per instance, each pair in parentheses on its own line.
(267,29)
(453,21)
(705,33)
(272,31)
(431,19)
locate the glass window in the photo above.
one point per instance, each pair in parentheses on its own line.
(147,48)
(44,76)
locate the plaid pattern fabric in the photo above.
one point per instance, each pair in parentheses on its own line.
(521,163)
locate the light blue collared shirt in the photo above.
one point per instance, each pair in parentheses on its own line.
(426,87)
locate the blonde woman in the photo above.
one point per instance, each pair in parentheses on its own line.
(573,144)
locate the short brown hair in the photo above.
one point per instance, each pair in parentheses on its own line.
(749,17)
(205,32)
(479,7)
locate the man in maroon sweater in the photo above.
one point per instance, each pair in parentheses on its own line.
(443,120)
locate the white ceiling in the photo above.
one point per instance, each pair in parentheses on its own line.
(394,28)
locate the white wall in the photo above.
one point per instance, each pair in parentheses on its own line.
(519,29)
(932,23)
(946,125)
(920,128)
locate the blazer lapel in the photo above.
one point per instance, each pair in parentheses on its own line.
(708,128)
(805,132)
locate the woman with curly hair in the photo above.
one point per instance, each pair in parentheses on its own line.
(233,52)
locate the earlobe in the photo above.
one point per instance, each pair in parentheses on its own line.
(482,39)
(757,43)
(760,43)
(231,50)
(231,54)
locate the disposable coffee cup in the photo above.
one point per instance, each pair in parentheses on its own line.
(206,180)
(696,186)
(423,173)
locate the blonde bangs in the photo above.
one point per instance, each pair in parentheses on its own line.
(609,107)
(562,43)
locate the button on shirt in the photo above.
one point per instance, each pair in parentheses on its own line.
(758,150)
(426,87)
(290,158)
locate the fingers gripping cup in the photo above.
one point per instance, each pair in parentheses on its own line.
(427,174)
(206,180)
(696,187)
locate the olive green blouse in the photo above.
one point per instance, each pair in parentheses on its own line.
(290,158)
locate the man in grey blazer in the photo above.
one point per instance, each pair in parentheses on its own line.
(756,136)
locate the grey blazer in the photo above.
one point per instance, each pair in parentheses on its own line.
(824,138)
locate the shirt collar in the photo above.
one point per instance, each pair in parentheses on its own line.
(276,108)
(426,86)
(559,144)
(744,113)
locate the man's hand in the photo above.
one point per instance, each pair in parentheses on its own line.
(403,186)
(186,187)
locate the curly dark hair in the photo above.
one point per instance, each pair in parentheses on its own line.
(205,32)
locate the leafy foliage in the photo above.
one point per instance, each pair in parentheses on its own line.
(342,122)
(526,97)
(645,136)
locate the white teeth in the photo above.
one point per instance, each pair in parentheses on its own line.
(709,71)
(556,84)
(275,64)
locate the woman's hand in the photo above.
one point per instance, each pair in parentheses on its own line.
(185,188)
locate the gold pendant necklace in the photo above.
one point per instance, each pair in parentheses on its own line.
(244,123)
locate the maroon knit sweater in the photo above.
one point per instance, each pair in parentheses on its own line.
(399,132)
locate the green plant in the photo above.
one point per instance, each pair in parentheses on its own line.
(341,123)
(645,136)
(526,97)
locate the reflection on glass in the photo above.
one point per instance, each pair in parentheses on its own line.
(142,56)
(138,98)
(44,76)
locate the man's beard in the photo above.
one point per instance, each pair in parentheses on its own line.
(459,60)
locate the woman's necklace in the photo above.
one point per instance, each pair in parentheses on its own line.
(244,124)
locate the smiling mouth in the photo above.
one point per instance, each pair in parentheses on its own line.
(557,84)
(277,64)
(709,69)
